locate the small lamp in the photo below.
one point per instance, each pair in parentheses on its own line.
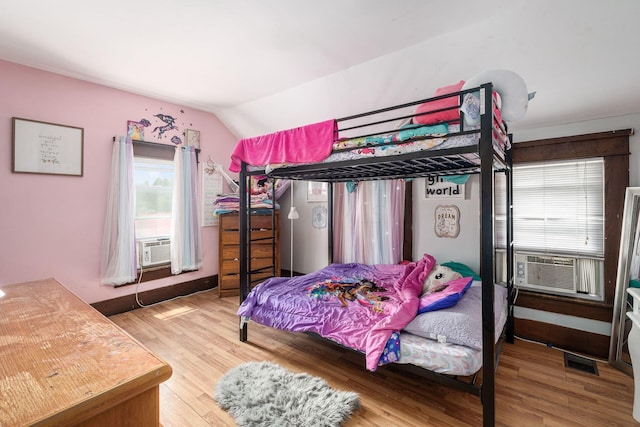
(293,214)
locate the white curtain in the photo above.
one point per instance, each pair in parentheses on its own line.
(119,264)
(588,275)
(186,247)
(369,222)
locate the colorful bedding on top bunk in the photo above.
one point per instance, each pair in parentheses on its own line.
(365,307)
(391,144)
(400,142)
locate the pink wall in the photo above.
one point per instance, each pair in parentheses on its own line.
(52,225)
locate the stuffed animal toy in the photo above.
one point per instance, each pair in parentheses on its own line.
(438,278)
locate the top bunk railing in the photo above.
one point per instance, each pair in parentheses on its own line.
(409,149)
(403,114)
(397,129)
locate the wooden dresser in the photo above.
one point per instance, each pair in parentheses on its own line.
(263,251)
(63,363)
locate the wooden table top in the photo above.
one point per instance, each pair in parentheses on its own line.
(62,360)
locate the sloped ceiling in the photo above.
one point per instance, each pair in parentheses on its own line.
(265,65)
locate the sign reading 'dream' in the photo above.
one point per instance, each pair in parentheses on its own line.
(438,188)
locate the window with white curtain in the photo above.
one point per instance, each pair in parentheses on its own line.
(163,181)
(558,209)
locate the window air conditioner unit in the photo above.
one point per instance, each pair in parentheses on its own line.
(154,251)
(546,273)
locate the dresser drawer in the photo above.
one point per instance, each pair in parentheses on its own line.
(230,237)
(264,253)
(232,266)
(231,281)
(258,250)
(231,222)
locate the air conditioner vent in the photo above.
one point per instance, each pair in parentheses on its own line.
(546,273)
(154,251)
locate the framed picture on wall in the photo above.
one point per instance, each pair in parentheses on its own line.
(135,130)
(47,148)
(447,221)
(317,191)
(192,138)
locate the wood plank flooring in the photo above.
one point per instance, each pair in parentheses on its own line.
(198,336)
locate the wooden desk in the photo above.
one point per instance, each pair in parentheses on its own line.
(63,363)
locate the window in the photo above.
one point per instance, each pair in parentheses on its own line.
(154,194)
(558,207)
(613,148)
(147,227)
(558,212)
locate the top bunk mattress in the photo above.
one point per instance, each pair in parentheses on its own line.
(406,140)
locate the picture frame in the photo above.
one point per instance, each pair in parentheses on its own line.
(135,130)
(319,216)
(47,148)
(317,191)
(192,138)
(447,221)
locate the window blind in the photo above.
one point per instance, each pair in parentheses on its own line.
(558,207)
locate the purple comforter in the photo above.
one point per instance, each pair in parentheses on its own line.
(356,305)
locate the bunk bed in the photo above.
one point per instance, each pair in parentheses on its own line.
(408,146)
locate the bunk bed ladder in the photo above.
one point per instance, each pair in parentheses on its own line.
(246,239)
(245,205)
(272,240)
(329,222)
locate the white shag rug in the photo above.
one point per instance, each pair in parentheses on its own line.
(266,394)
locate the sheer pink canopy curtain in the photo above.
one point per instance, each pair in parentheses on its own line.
(369,222)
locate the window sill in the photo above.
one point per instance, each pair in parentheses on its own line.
(588,309)
(153,273)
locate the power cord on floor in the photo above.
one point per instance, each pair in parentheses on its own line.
(166,300)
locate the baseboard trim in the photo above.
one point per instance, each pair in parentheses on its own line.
(563,338)
(128,302)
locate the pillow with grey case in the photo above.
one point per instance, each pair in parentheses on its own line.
(462,323)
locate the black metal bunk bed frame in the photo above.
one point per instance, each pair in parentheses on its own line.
(452,161)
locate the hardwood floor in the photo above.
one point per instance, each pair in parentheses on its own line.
(198,336)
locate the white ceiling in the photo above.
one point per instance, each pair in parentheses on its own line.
(262,65)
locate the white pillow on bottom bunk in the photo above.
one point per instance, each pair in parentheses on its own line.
(460,324)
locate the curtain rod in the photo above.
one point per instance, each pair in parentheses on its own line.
(159,145)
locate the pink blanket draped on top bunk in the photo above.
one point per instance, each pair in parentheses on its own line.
(305,144)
